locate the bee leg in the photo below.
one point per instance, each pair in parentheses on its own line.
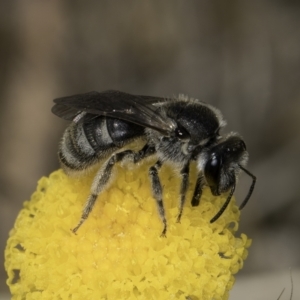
(143,153)
(86,211)
(102,177)
(100,182)
(157,193)
(198,190)
(184,186)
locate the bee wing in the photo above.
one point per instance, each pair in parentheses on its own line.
(140,110)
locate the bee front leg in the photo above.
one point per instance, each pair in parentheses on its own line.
(198,190)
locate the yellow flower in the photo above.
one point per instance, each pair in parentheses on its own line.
(118,252)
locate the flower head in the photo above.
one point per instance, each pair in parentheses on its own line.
(118,252)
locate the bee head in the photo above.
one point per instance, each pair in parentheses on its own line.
(223,163)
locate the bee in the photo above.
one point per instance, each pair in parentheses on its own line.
(173,130)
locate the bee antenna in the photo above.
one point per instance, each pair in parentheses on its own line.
(251,187)
(220,212)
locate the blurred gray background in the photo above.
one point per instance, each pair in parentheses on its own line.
(241,56)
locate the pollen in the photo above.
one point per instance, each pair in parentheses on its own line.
(118,252)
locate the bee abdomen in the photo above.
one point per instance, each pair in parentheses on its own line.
(73,153)
(93,139)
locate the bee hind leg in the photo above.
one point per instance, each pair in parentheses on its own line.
(103,176)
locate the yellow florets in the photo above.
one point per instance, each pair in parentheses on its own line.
(118,253)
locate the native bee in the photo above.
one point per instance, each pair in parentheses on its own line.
(174,130)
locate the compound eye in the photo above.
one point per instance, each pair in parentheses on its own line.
(212,171)
(181,133)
